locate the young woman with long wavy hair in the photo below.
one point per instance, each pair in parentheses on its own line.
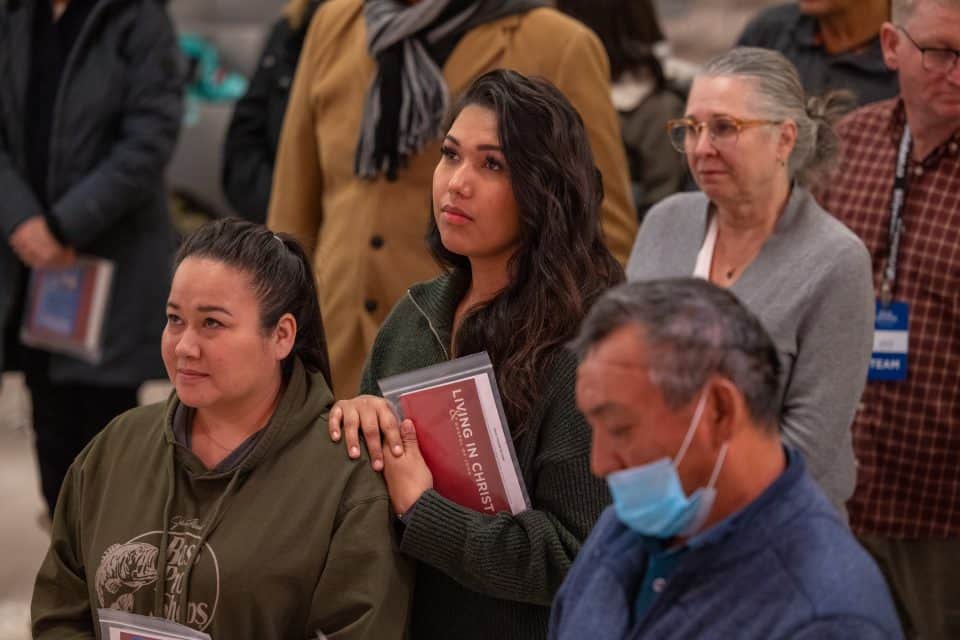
(515,222)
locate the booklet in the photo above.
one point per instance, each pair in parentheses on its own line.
(122,625)
(66,306)
(462,432)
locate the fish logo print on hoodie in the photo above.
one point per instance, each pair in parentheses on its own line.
(126,578)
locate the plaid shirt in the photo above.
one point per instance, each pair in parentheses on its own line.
(907,434)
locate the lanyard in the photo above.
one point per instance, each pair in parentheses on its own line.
(896,220)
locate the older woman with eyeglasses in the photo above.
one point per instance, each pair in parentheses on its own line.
(754,144)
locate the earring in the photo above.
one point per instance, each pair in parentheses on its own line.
(781,162)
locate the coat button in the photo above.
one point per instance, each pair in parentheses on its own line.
(952,147)
(370,305)
(918,171)
(658,585)
(269,61)
(376,241)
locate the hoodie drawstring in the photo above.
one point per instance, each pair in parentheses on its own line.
(215,517)
(165,537)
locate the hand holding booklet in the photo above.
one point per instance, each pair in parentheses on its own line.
(462,432)
(66,307)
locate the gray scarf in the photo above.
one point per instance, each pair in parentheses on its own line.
(405,105)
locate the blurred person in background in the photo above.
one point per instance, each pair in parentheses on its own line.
(835,44)
(251,141)
(754,143)
(898,187)
(362,134)
(90,107)
(640,92)
(226,508)
(516,224)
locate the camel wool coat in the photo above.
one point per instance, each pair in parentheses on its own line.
(367,236)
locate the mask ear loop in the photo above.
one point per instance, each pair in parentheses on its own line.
(687,439)
(719,465)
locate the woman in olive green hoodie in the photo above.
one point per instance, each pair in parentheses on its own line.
(227,509)
(516,201)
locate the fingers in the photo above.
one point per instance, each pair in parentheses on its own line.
(350,426)
(66,257)
(370,424)
(39,253)
(26,257)
(373,417)
(390,429)
(409,434)
(334,421)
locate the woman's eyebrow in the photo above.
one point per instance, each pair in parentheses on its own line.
(207,308)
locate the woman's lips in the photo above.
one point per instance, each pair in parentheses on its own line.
(709,174)
(455,215)
(190,375)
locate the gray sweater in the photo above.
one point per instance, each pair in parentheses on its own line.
(812,287)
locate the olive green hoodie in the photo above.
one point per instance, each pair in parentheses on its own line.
(293,541)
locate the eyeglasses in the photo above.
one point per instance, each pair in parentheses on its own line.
(935,59)
(723,130)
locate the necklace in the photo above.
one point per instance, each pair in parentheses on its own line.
(731,270)
(205,432)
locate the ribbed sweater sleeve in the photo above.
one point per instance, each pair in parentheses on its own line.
(521,557)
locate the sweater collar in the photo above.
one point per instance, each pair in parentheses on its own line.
(797,203)
(437,300)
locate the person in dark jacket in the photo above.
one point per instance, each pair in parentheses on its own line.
(835,44)
(90,107)
(716,529)
(641,93)
(254,132)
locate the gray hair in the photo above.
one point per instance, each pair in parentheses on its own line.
(902,10)
(693,329)
(780,96)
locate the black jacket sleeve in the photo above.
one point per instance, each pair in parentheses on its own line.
(151,112)
(251,141)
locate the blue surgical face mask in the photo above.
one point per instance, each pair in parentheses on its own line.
(650,499)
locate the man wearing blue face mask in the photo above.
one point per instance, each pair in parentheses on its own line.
(716,530)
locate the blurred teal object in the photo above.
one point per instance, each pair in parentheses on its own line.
(206,78)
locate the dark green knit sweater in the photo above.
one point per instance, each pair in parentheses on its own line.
(482,576)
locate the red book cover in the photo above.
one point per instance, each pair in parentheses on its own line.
(454,441)
(462,431)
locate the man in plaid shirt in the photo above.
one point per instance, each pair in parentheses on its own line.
(906,507)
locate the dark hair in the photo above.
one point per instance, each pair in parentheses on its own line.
(562,263)
(280,275)
(693,329)
(628,30)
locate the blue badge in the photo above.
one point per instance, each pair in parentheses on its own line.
(889,359)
